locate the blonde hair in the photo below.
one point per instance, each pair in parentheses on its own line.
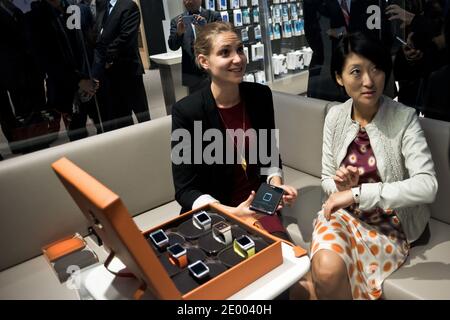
(206,35)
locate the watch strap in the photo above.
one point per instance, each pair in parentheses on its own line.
(181,261)
(356,194)
(223,237)
(243,253)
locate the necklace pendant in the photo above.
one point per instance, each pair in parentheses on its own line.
(244,164)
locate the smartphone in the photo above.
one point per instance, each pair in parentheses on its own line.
(267,199)
(188,19)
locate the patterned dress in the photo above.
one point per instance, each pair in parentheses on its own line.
(371,243)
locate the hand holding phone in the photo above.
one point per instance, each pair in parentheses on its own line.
(267,199)
(198,19)
(188,19)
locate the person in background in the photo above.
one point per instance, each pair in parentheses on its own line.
(117,65)
(182,35)
(437,94)
(378,174)
(422,23)
(227,103)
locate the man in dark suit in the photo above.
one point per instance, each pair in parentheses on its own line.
(118,66)
(183,35)
(351,15)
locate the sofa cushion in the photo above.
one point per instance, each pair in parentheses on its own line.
(298,218)
(34,279)
(35,207)
(426,273)
(437,134)
(300,120)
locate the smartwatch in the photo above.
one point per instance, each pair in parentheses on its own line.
(178,255)
(159,238)
(244,246)
(356,193)
(222,232)
(202,220)
(199,269)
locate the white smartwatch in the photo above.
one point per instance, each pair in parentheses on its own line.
(222,232)
(199,269)
(159,238)
(202,220)
(356,193)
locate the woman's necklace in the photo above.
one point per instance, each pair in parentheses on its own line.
(242,153)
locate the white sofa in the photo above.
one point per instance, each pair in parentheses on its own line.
(134,162)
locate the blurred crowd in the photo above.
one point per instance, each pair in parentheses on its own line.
(68,60)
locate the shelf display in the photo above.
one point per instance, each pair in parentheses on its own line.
(289,50)
(273,35)
(245,16)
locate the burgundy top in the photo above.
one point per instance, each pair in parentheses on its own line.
(233,118)
(360,155)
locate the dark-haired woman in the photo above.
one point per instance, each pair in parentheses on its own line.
(378,173)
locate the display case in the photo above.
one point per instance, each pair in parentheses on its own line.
(284,27)
(206,253)
(273,35)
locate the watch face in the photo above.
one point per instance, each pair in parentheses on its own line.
(222,226)
(176,250)
(245,242)
(159,236)
(199,268)
(203,217)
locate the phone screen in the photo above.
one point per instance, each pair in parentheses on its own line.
(267,199)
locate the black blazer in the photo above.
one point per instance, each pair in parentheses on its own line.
(191,74)
(117,43)
(311,11)
(193,180)
(437,95)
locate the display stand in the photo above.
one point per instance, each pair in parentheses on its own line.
(145,253)
(169,69)
(99,284)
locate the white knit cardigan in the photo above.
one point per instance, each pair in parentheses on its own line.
(404,161)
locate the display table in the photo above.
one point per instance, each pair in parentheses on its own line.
(100,284)
(169,65)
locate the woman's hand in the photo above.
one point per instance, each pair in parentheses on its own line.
(346,178)
(336,201)
(243,210)
(289,197)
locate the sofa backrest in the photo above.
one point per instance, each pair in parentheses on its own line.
(437,134)
(35,208)
(300,120)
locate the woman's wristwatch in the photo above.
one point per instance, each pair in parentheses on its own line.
(356,193)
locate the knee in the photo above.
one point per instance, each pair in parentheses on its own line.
(328,269)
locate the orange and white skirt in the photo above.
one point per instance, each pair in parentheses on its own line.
(372,245)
